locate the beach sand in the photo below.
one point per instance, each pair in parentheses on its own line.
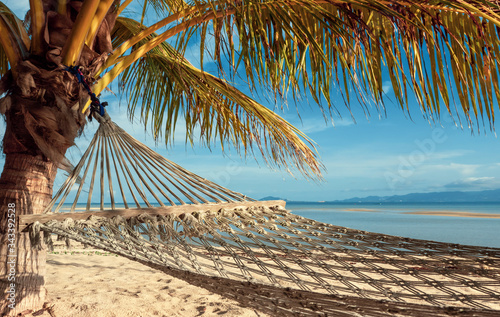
(83,283)
(92,283)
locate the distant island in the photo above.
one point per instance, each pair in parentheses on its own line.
(272,198)
(434,197)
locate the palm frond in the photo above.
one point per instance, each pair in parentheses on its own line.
(442,52)
(13,38)
(123,6)
(162,7)
(167,87)
(76,40)
(13,25)
(434,49)
(4,62)
(37,18)
(122,47)
(100,14)
(16,24)
(62,7)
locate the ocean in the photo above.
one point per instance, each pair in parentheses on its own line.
(409,220)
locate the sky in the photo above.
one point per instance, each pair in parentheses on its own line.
(381,154)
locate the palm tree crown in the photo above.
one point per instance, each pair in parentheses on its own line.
(444,52)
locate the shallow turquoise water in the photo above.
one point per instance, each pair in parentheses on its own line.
(392,219)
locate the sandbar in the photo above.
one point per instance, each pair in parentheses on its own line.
(454,214)
(362,209)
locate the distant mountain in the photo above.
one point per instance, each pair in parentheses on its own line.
(436,197)
(271,198)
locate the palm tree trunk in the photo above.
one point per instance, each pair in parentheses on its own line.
(25,188)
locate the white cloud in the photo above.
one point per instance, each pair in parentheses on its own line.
(463,169)
(448,154)
(474,183)
(387,87)
(314,125)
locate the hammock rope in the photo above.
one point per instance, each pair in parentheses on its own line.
(95,105)
(116,158)
(224,234)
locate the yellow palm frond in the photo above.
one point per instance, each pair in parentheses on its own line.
(122,6)
(167,87)
(76,40)
(14,40)
(16,23)
(37,25)
(4,62)
(102,9)
(435,50)
(306,46)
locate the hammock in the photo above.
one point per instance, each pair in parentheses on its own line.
(253,251)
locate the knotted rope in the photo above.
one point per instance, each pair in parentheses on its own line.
(96,105)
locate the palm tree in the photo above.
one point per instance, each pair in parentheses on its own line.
(444,52)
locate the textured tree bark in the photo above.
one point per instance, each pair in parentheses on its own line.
(42,106)
(25,188)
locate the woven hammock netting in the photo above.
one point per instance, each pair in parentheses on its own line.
(157,213)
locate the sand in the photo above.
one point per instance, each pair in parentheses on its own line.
(82,282)
(446,213)
(362,209)
(454,214)
(99,284)
(88,282)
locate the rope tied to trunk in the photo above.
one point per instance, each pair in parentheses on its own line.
(96,105)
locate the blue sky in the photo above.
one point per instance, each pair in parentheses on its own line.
(377,155)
